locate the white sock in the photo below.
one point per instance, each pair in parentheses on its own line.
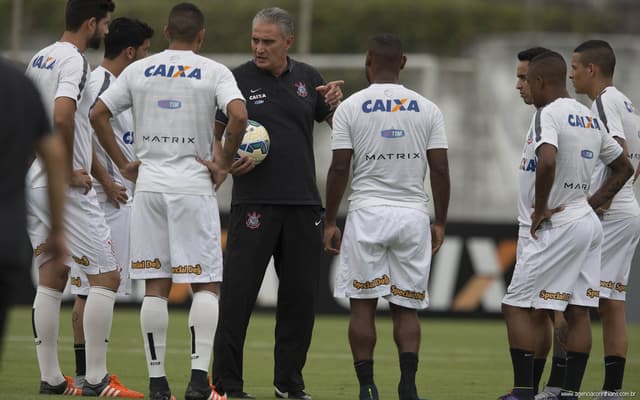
(98,315)
(154,320)
(46,320)
(203,320)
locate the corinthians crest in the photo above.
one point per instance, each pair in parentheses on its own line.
(302,89)
(253,220)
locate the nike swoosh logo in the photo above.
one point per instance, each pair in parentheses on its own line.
(255,90)
(318,222)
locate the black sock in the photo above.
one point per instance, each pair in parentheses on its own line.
(199,379)
(159,384)
(364,370)
(558,368)
(81,363)
(408,367)
(522,361)
(538,368)
(576,364)
(613,373)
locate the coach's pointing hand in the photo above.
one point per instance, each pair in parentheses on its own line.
(331,92)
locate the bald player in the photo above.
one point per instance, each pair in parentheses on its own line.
(392,133)
(592,67)
(559,269)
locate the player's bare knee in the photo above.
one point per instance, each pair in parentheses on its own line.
(213,287)
(53,275)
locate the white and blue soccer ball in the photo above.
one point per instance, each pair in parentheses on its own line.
(255,142)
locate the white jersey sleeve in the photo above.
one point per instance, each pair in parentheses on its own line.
(341,133)
(226,89)
(72,78)
(118,97)
(610,117)
(546,129)
(437,137)
(610,150)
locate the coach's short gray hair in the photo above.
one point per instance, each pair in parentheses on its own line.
(277,16)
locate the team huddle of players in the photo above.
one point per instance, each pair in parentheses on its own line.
(576,204)
(579,222)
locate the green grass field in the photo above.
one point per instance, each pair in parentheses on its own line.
(459,360)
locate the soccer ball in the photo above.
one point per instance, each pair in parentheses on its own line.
(255,142)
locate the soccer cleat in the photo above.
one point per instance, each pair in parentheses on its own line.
(110,387)
(508,396)
(208,394)
(66,388)
(239,395)
(161,396)
(368,392)
(548,393)
(297,394)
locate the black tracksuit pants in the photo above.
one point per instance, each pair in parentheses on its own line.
(293,235)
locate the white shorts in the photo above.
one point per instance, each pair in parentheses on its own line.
(88,236)
(119,221)
(620,239)
(176,236)
(561,267)
(386,252)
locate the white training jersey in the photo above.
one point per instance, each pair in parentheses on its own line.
(389,128)
(580,140)
(619,119)
(60,70)
(173,96)
(122,124)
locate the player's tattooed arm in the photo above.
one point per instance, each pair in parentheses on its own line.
(620,171)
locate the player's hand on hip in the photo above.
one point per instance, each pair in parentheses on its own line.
(81,179)
(537,218)
(437,237)
(130,171)
(243,165)
(217,172)
(332,238)
(56,246)
(116,194)
(332,93)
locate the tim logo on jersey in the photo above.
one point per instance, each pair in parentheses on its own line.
(388,105)
(44,63)
(173,71)
(580,121)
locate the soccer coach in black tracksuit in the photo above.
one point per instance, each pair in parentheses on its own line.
(275,209)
